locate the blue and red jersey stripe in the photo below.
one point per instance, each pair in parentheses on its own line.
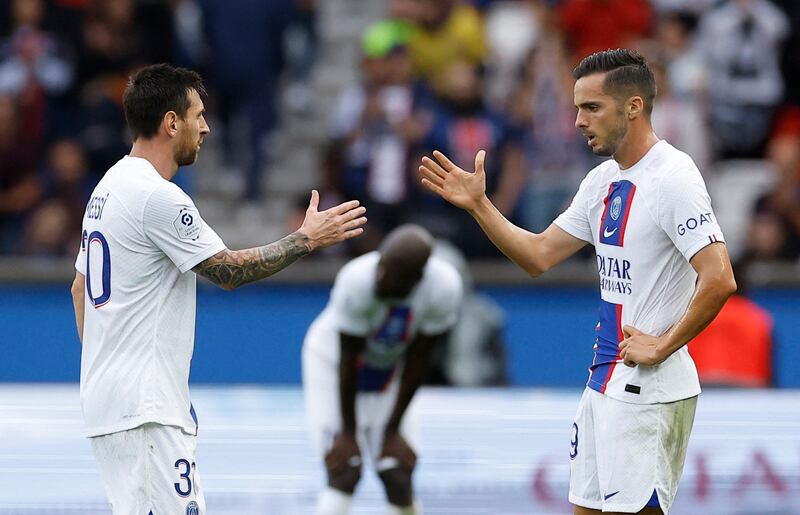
(395,330)
(616,213)
(606,349)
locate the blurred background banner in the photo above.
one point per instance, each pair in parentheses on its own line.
(485,451)
(345,96)
(254,336)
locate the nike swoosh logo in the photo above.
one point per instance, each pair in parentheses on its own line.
(609,496)
(607,234)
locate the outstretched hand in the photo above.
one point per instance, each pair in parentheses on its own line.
(639,348)
(339,223)
(461,188)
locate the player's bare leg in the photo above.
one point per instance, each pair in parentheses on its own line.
(579,510)
(399,492)
(343,464)
(344,478)
(395,468)
(337,497)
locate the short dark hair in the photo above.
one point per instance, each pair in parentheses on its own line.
(153,91)
(627,74)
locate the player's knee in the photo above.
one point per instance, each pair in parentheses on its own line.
(397,482)
(344,479)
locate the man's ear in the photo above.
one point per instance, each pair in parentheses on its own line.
(170,123)
(634,107)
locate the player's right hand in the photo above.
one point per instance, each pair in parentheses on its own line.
(344,452)
(339,223)
(461,188)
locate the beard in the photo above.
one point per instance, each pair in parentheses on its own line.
(614,139)
(186,154)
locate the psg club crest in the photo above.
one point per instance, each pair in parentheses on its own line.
(615,215)
(192,509)
(616,207)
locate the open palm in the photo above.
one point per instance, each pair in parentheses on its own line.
(461,188)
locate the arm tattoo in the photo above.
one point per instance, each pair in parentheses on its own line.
(230,269)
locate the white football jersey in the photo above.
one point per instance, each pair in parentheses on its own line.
(388,325)
(646,222)
(141,235)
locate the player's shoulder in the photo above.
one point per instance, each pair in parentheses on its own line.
(674,168)
(440,277)
(600,175)
(136,180)
(439,268)
(359,272)
(163,195)
(133,171)
(362,263)
(671,160)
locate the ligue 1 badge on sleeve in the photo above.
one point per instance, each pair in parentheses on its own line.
(192,508)
(188,224)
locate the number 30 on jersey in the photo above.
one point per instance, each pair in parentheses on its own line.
(98,265)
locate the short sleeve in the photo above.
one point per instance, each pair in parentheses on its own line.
(349,302)
(445,300)
(684,212)
(174,225)
(575,220)
(80,261)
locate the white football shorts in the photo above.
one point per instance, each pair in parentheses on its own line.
(373,409)
(626,456)
(150,470)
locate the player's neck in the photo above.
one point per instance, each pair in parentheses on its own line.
(158,154)
(634,147)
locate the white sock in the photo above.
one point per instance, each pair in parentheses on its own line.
(414,509)
(333,502)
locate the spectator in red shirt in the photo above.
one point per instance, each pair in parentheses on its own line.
(735,350)
(594,25)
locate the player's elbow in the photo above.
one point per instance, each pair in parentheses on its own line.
(729,287)
(724,287)
(534,272)
(226,286)
(77,288)
(536,267)
(538,256)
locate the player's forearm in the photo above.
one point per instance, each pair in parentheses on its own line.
(348,386)
(230,269)
(708,299)
(350,348)
(520,246)
(78,303)
(414,372)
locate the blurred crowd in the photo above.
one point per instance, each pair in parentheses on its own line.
(457,76)
(64,65)
(496,75)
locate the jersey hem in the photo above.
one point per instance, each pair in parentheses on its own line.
(668,400)
(572,231)
(92,432)
(629,507)
(585,503)
(201,256)
(701,244)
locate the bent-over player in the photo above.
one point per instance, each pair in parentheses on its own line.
(365,356)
